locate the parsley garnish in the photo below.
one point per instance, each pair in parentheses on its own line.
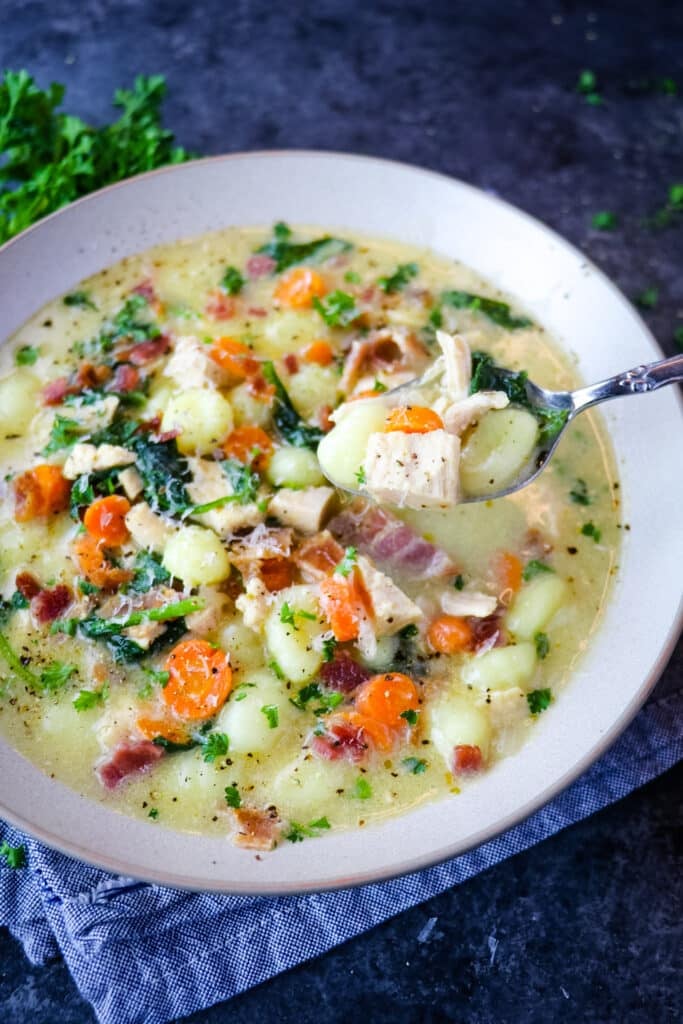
(579,493)
(360,476)
(26,355)
(88,699)
(362,790)
(216,744)
(329,645)
(232,796)
(298,832)
(240,692)
(352,277)
(14,856)
(348,562)
(459,582)
(272,713)
(153,813)
(274,667)
(591,530)
(605,220)
(587,85)
(337,309)
(64,433)
(542,644)
(402,276)
(415,765)
(81,299)
(157,676)
(287,253)
(56,676)
(411,716)
(149,573)
(535,568)
(232,281)
(539,700)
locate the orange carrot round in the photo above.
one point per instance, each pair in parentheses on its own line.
(249,445)
(40,491)
(508,570)
(105,519)
(172,732)
(341,602)
(234,356)
(449,634)
(413,419)
(93,564)
(376,734)
(386,697)
(200,679)
(299,287)
(320,352)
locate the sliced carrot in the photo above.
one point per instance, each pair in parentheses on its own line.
(413,419)
(341,602)
(386,697)
(234,356)
(508,569)
(449,634)
(94,565)
(40,491)
(172,732)
(105,520)
(299,287)
(320,352)
(249,445)
(200,679)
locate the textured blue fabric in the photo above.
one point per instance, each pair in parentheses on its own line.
(179,952)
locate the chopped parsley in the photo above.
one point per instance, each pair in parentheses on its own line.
(542,645)
(298,832)
(535,568)
(274,667)
(415,765)
(589,529)
(287,254)
(348,562)
(288,422)
(64,433)
(459,582)
(272,713)
(401,277)
(56,676)
(80,299)
(329,700)
(411,716)
(153,813)
(604,220)
(232,797)
(587,85)
(232,281)
(159,676)
(497,311)
(338,309)
(287,615)
(240,692)
(362,790)
(215,745)
(27,355)
(329,646)
(579,493)
(539,700)
(360,473)
(352,277)
(88,699)
(14,856)
(648,298)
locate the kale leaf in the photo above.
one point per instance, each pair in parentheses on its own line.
(494,309)
(164,474)
(287,420)
(287,253)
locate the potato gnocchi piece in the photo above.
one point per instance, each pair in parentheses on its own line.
(342,451)
(455,720)
(195,555)
(204,419)
(536,604)
(290,635)
(294,467)
(245,722)
(18,400)
(501,668)
(497,450)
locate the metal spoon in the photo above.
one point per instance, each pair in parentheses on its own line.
(638,381)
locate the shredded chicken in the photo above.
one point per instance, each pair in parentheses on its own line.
(391,608)
(397,348)
(468,602)
(413,470)
(461,415)
(89,458)
(191,366)
(210,483)
(254,603)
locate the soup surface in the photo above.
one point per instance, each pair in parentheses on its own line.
(196,627)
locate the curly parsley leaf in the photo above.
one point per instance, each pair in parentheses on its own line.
(362,790)
(535,568)
(65,433)
(27,355)
(591,530)
(88,699)
(215,745)
(542,645)
(232,281)
(539,700)
(298,832)
(338,309)
(232,796)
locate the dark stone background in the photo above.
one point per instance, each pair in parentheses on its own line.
(586,926)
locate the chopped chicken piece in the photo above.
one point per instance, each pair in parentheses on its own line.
(254,829)
(306,510)
(413,470)
(88,458)
(145,633)
(460,415)
(457,364)
(264,542)
(147,529)
(191,366)
(131,481)
(209,483)
(96,416)
(319,556)
(506,707)
(468,602)
(254,603)
(209,617)
(391,608)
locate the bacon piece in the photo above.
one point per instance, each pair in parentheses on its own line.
(276,573)
(342,740)
(382,350)
(220,306)
(27,585)
(343,673)
(389,541)
(128,759)
(260,265)
(486,633)
(257,311)
(146,351)
(319,556)
(259,388)
(126,378)
(255,829)
(48,605)
(291,363)
(90,377)
(146,290)
(323,418)
(56,391)
(467,759)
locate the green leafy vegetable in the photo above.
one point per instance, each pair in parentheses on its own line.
(348,562)
(88,699)
(272,714)
(495,310)
(402,276)
(542,645)
(287,253)
(298,832)
(64,433)
(338,309)
(362,790)
(232,281)
(329,647)
(360,476)
(244,481)
(164,474)
(14,856)
(80,299)
(587,85)
(27,355)
(232,796)
(289,424)
(87,487)
(153,813)
(56,676)
(49,158)
(535,568)
(157,675)
(604,220)
(459,582)
(591,530)
(149,572)
(215,745)
(487,376)
(579,493)
(353,277)
(415,765)
(539,700)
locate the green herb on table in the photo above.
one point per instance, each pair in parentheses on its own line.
(539,700)
(591,530)
(535,568)
(605,220)
(587,85)
(401,277)
(13,856)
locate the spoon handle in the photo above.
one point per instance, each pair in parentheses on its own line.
(638,381)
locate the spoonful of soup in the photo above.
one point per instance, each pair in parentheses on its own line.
(467,430)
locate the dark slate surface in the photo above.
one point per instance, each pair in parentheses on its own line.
(585,927)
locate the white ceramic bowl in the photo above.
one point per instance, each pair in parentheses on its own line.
(580,307)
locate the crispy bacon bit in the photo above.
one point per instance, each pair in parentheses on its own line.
(167,435)
(257,311)
(146,351)
(260,266)
(319,556)
(254,829)
(27,585)
(220,306)
(467,759)
(126,378)
(343,673)
(382,350)
(128,759)
(49,605)
(276,573)
(259,388)
(368,293)
(90,377)
(342,740)
(291,363)
(387,540)
(487,633)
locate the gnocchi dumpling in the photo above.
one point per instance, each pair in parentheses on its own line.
(454,720)
(257,715)
(203,417)
(291,629)
(501,667)
(342,451)
(196,556)
(536,604)
(497,450)
(18,394)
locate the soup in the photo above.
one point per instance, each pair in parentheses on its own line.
(199,629)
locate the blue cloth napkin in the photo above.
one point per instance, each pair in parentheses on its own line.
(180,952)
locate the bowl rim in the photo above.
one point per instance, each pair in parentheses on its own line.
(543,796)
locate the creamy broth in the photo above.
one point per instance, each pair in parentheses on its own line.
(568,521)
